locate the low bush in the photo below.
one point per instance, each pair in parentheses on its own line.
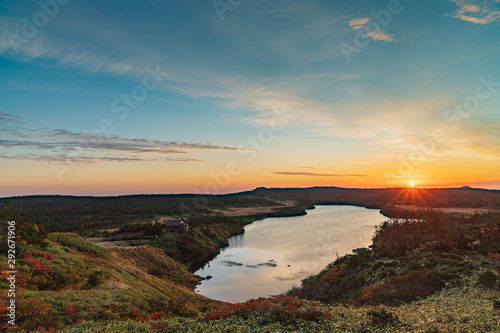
(487,279)
(72,240)
(383,317)
(277,309)
(405,288)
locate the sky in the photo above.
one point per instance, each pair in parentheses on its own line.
(202,96)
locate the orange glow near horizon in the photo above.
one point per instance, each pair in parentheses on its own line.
(248,105)
(144,178)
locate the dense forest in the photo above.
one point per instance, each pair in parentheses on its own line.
(378,198)
(78,214)
(69,213)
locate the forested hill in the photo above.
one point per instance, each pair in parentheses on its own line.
(378,198)
(74,213)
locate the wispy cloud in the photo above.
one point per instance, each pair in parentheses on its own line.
(313,174)
(81,159)
(61,159)
(183,160)
(311,168)
(378,34)
(42,144)
(118,143)
(477,11)
(110,52)
(481,140)
(359,23)
(7,117)
(108,47)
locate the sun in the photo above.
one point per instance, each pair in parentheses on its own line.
(412,184)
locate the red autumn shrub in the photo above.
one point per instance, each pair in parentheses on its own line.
(70,310)
(39,268)
(41,254)
(33,314)
(45,255)
(4,325)
(137,315)
(156,316)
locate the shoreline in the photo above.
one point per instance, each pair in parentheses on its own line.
(302,213)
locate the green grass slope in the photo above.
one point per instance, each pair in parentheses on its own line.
(66,280)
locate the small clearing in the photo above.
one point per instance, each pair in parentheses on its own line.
(242,211)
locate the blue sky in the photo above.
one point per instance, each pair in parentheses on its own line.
(226,69)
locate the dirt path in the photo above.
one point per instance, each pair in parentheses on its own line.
(118,243)
(252,210)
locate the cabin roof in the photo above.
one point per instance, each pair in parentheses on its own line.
(174,223)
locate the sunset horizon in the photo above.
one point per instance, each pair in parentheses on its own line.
(415,187)
(250,166)
(216,97)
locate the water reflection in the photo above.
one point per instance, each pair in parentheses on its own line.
(236,241)
(277,253)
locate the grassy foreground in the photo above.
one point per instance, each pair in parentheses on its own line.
(455,310)
(66,280)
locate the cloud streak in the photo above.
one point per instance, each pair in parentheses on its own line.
(477,11)
(6,117)
(66,159)
(59,145)
(379,34)
(313,174)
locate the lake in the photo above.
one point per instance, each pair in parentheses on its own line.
(275,254)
